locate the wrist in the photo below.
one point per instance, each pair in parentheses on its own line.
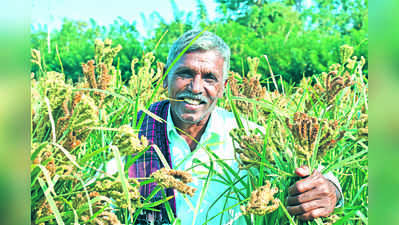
(337,192)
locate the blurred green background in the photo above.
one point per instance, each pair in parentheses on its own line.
(14,112)
(384,111)
(15,42)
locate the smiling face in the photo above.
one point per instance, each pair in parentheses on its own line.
(196,80)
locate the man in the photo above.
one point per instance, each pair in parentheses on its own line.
(195,83)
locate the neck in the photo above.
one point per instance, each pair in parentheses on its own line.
(190,130)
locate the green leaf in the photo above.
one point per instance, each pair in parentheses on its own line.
(51,202)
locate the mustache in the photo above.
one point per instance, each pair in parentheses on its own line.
(187,94)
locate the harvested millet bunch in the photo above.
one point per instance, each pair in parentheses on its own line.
(262,201)
(102,66)
(331,220)
(305,130)
(43,209)
(105,79)
(44,153)
(350,64)
(113,189)
(345,52)
(53,87)
(79,117)
(249,148)
(253,64)
(35,100)
(104,53)
(104,57)
(85,116)
(106,218)
(44,156)
(54,162)
(362,125)
(141,82)
(331,85)
(62,122)
(65,169)
(174,179)
(89,72)
(128,142)
(249,88)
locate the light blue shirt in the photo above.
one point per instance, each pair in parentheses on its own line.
(217,139)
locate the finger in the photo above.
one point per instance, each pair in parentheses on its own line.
(316,213)
(306,184)
(302,171)
(308,196)
(304,207)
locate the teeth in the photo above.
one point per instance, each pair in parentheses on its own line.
(192,101)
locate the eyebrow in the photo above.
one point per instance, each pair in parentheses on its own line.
(184,69)
(188,70)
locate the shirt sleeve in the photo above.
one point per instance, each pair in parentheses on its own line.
(333,179)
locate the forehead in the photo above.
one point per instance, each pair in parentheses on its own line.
(201,62)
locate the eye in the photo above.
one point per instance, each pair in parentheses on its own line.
(209,77)
(184,75)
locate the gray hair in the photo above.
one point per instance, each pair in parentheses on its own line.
(207,41)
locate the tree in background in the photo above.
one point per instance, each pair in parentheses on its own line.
(75,45)
(299,40)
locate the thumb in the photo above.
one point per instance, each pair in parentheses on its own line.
(302,171)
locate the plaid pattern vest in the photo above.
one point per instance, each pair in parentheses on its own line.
(156,133)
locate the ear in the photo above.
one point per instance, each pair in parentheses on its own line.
(222,92)
(165,81)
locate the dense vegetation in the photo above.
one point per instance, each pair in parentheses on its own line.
(321,120)
(76,128)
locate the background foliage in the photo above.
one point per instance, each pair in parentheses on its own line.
(77,128)
(299,41)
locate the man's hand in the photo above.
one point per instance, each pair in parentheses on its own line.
(311,197)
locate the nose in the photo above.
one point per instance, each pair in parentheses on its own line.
(196,85)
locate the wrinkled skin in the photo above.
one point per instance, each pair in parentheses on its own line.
(312,197)
(198,76)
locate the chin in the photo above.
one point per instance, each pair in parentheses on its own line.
(191,119)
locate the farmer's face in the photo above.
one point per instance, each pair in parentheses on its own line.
(197,82)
